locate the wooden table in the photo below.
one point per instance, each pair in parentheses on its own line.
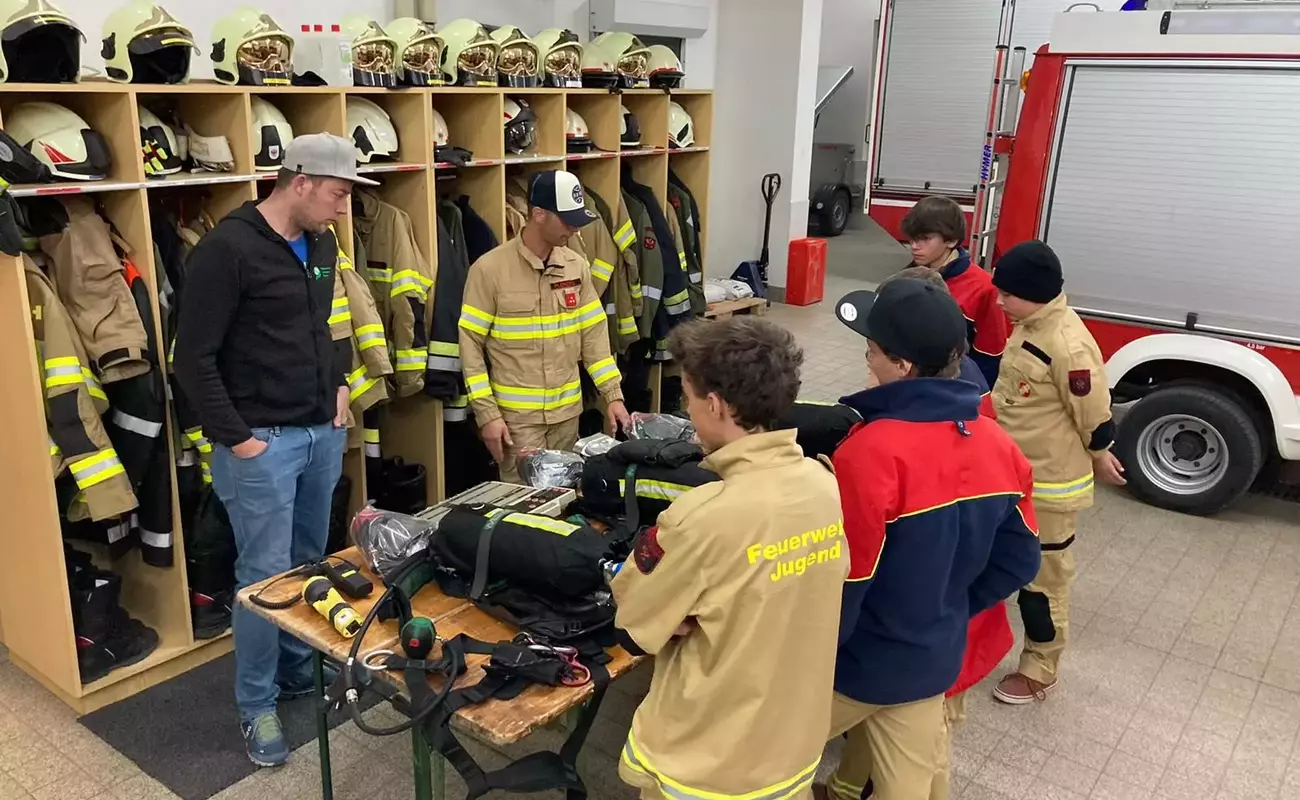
(497,722)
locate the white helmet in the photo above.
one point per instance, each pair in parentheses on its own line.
(419,52)
(60,139)
(664,67)
(630,132)
(681,128)
(372,130)
(519,62)
(271,134)
(521,125)
(162,148)
(373,52)
(561,54)
(441,133)
(577,135)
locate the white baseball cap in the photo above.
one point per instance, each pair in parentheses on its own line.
(561,193)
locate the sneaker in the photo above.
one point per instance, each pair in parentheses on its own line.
(303,687)
(265,740)
(1018,690)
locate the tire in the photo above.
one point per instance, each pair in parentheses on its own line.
(1190,448)
(835,217)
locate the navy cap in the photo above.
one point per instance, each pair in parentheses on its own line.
(560,193)
(910,318)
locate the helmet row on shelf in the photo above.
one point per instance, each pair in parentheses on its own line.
(143,43)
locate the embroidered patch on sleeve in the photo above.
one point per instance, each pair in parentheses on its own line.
(1080,382)
(647,552)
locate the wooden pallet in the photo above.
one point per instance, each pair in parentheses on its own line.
(730,308)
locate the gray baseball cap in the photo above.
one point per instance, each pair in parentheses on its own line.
(326,155)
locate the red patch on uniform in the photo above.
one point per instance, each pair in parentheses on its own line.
(570,298)
(648,242)
(647,551)
(1080,382)
(1024,389)
(676,201)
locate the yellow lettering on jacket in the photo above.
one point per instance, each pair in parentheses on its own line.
(794,567)
(798,566)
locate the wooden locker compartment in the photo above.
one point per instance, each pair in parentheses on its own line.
(692,167)
(604,118)
(650,169)
(486,188)
(650,107)
(225,114)
(412,118)
(548,106)
(599,176)
(108,109)
(474,120)
(700,106)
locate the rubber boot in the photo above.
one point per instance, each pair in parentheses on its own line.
(94,597)
(404,487)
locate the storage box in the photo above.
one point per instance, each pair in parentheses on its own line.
(806,274)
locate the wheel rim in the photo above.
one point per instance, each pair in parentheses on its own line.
(839,213)
(1182,454)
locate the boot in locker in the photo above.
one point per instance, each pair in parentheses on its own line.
(107,637)
(404,487)
(338,535)
(210,565)
(466,461)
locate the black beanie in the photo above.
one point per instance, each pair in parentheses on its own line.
(1030,271)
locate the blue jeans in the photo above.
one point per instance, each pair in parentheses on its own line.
(279,507)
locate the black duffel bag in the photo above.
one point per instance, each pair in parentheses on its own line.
(659,471)
(819,427)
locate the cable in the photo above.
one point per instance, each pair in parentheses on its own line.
(297,572)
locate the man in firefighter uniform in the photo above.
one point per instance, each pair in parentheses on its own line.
(529,316)
(1051,396)
(736,590)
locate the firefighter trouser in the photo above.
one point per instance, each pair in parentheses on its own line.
(649,788)
(1045,603)
(895,747)
(526,436)
(954,713)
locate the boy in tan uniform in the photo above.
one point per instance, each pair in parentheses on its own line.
(1052,397)
(737,591)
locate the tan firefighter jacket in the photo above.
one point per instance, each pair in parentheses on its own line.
(622,297)
(1052,397)
(91,283)
(524,328)
(353,316)
(400,279)
(78,441)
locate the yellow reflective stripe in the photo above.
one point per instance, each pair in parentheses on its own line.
(679,303)
(63,371)
(444,357)
(601,269)
(548,326)
(449,349)
(476,320)
(1063,491)
(92,384)
(54,449)
(603,371)
(479,386)
(408,280)
(681,258)
(637,762)
(345,262)
(359,383)
(95,469)
(200,442)
(368,336)
(625,236)
(340,311)
(207,472)
(540,523)
(529,399)
(636,291)
(411,360)
(627,325)
(380,274)
(370,435)
(656,490)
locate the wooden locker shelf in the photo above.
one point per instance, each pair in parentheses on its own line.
(34,597)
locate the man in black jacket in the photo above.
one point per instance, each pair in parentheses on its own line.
(254,355)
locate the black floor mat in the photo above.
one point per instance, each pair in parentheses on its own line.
(185,732)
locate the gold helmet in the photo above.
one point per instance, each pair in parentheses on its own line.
(470,57)
(664,68)
(630,56)
(250,48)
(144,44)
(419,52)
(38,43)
(373,62)
(561,57)
(518,61)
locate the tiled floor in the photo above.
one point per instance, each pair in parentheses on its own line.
(1182,681)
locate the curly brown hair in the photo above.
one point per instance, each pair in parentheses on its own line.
(752,364)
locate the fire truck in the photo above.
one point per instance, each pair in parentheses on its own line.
(1158,153)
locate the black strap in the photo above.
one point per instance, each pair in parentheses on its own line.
(481,559)
(1050,547)
(631,509)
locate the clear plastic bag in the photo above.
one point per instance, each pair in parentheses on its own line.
(662,426)
(387,538)
(546,469)
(598,444)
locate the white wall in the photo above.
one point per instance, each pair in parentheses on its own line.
(199,16)
(765,82)
(847,40)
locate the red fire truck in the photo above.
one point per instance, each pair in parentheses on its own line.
(1158,153)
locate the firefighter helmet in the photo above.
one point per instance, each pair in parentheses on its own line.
(521,125)
(372,130)
(470,55)
(518,61)
(271,134)
(39,43)
(630,57)
(419,52)
(664,68)
(161,147)
(630,133)
(373,52)
(144,44)
(598,69)
(561,54)
(61,139)
(577,136)
(441,133)
(681,128)
(250,48)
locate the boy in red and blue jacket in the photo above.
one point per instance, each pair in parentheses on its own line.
(940,527)
(935,228)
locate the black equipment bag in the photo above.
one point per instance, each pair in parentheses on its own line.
(659,470)
(819,427)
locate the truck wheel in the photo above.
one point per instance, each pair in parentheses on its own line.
(835,216)
(1190,448)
